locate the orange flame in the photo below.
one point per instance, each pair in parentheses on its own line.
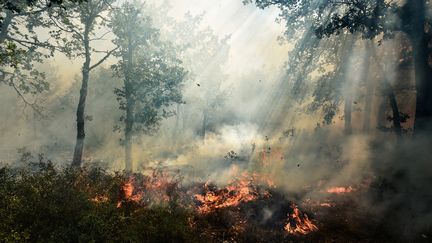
(340,190)
(241,192)
(299,223)
(127,191)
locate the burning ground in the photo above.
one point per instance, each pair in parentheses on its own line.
(40,202)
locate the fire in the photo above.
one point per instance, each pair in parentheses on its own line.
(299,223)
(156,188)
(128,189)
(340,190)
(128,195)
(234,194)
(326,204)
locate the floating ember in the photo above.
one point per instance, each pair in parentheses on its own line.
(99,199)
(299,223)
(326,204)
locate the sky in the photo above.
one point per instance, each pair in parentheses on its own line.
(253,32)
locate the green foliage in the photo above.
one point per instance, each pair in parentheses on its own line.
(371,17)
(19,6)
(39,203)
(152,73)
(21,47)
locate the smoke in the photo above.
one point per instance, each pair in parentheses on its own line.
(238,118)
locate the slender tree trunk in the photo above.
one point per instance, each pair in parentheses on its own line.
(423,77)
(128,147)
(395,109)
(80,113)
(348,92)
(347,114)
(128,131)
(129,121)
(176,126)
(389,92)
(423,72)
(5,26)
(204,125)
(382,117)
(369,89)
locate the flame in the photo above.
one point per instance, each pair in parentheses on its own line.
(127,193)
(326,204)
(156,188)
(128,189)
(340,190)
(299,223)
(235,193)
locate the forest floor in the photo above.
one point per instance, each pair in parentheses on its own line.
(40,203)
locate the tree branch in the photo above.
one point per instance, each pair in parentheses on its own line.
(33,105)
(103,59)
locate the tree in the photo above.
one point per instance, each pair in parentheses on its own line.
(152,75)
(372,19)
(83,24)
(21,47)
(203,54)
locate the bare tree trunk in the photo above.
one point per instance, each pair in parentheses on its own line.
(204,125)
(389,92)
(129,122)
(395,110)
(176,126)
(347,114)
(348,92)
(381,118)
(79,146)
(128,128)
(415,28)
(369,90)
(423,74)
(5,26)
(128,147)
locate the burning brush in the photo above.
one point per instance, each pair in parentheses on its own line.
(250,199)
(299,223)
(242,190)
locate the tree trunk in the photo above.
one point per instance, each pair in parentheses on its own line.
(369,90)
(128,129)
(4,26)
(128,147)
(423,77)
(176,126)
(79,146)
(204,125)
(395,110)
(382,116)
(423,72)
(347,114)
(348,92)
(389,92)
(129,121)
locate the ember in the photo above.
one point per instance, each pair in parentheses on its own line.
(100,199)
(340,190)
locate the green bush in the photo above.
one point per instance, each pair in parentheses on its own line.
(39,203)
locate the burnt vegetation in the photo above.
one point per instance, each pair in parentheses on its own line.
(43,203)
